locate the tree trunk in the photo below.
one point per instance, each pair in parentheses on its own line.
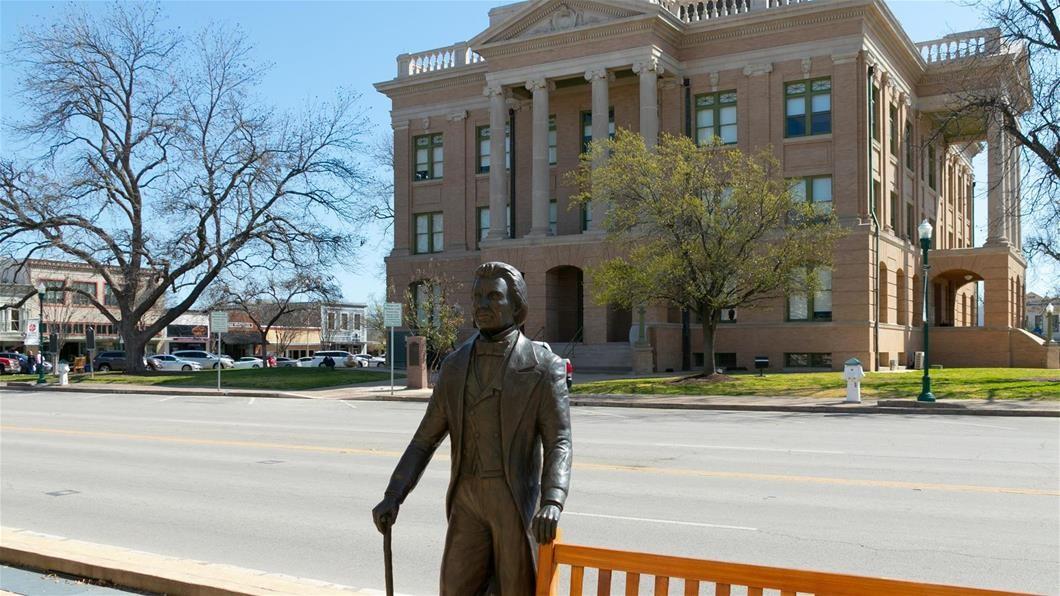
(710,326)
(135,345)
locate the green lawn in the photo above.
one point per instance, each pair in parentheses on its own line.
(954,383)
(280,379)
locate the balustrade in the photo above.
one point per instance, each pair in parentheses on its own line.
(453,56)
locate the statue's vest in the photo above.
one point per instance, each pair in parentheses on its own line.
(481,443)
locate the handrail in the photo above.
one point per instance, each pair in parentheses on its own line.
(693,572)
(955,46)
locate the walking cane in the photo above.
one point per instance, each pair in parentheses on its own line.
(388,562)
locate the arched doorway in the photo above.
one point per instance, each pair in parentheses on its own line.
(564,307)
(954,298)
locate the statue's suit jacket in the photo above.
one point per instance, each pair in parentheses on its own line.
(534,422)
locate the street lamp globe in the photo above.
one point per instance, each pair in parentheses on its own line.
(41,287)
(925,230)
(1049,309)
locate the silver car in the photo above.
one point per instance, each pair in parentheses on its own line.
(204,359)
(171,362)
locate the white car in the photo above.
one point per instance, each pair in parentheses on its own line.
(283,362)
(204,359)
(367,360)
(249,362)
(342,359)
(171,362)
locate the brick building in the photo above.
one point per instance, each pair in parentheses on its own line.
(849,104)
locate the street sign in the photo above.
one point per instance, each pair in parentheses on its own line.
(392,314)
(90,338)
(32,337)
(219,321)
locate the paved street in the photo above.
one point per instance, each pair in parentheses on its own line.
(287,486)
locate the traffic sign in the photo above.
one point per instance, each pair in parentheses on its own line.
(219,321)
(392,314)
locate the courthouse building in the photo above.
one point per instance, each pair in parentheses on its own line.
(850,105)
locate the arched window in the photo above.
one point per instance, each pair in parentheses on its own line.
(885,290)
(902,300)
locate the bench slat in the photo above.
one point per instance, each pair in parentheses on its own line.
(662,585)
(691,587)
(722,590)
(577,578)
(753,591)
(603,582)
(632,584)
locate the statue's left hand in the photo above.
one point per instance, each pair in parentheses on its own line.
(544,523)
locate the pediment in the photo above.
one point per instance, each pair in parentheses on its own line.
(545,17)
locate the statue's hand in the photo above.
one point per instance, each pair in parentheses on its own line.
(385,513)
(544,523)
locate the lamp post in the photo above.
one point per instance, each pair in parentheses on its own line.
(925,244)
(1049,323)
(40,335)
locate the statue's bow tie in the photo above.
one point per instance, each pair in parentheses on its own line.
(490,348)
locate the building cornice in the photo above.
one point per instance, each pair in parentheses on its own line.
(428,83)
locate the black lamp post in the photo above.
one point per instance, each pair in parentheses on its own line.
(925,244)
(40,335)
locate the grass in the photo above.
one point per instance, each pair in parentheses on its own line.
(279,379)
(953,383)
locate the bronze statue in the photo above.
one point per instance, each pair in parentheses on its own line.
(503,401)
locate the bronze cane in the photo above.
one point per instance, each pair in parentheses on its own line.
(388,562)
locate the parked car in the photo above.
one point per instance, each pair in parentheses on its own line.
(284,362)
(367,360)
(205,359)
(566,362)
(305,361)
(10,366)
(171,362)
(249,362)
(342,359)
(20,358)
(107,361)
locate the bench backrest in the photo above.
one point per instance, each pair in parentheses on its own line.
(696,574)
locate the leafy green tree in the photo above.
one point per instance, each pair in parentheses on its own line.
(707,228)
(431,313)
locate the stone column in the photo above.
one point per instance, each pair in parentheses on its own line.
(996,209)
(1012,198)
(539,186)
(498,173)
(599,78)
(649,72)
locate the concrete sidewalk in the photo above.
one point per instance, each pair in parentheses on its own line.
(380,391)
(153,573)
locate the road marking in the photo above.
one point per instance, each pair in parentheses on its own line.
(724,447)
(252,400)
(660,521)
(858,482)
(974,424)
(346,403)
(168,398)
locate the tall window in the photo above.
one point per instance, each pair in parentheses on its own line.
(808,107)
(53,293)
(483,134)
(892,129)
(894,211)
(109,299)
(931,167)
(14,319)
(803,306)
(552,140)
(552,217)
(345,318)
(815,189)
(874,107)
(587,127)
(910,222)
(88,288)
(429,157)
(429,233)
(483,223)
(422,302)
(716,117)
(587,216)
(909,145)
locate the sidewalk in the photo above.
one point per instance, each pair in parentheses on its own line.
(380,391)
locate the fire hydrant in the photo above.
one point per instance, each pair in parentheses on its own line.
(853,373)
(64,373)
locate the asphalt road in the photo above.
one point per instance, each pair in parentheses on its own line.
(287,486)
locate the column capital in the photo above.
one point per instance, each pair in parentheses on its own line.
(753,70)
(456,116)
(807,65)
(904,99)
(845,58)
(492,90)
(539,83)
(599,73)
(649,65)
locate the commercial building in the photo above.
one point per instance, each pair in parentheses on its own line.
(302,331)
(850,105)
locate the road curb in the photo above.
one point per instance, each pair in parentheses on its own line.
(139,570)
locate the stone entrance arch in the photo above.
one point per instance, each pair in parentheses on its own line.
(564,304)
(954,298)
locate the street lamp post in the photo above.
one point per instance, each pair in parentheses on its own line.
(40,335)
(925,244)
(1049,323)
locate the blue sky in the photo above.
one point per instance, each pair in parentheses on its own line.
(317,47)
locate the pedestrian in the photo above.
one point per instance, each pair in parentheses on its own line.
(329,362)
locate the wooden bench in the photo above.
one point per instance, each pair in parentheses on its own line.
(79,364)
(696,574)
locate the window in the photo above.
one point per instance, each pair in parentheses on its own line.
(815,189)
(552,217)
(908,145)
(728,315)
(109,299)
(876,198)
(14,319)
(808,360)
(587,216)
(331,320)
(552,140)
(429,236)
(53,293)
(808,107)
(357,322)
(420,293)
(87,287)
(429,162)
(483,134)
(892,129)
(483,223)
(910,222)
(818,307)
(716,117)
(874,119)
(587,127)
(894,211)
(345,321)
(931,166)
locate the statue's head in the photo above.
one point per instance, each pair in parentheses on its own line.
(498,297)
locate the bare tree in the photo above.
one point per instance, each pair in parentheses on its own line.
(161,169)
(432,313)
(378,205)
(270,301)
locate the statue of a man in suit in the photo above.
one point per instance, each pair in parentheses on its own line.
(503,401)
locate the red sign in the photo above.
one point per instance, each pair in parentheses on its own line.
(199,331)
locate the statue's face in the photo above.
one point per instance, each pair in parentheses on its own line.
(493,310)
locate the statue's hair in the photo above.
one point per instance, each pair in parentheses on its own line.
(516,286)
